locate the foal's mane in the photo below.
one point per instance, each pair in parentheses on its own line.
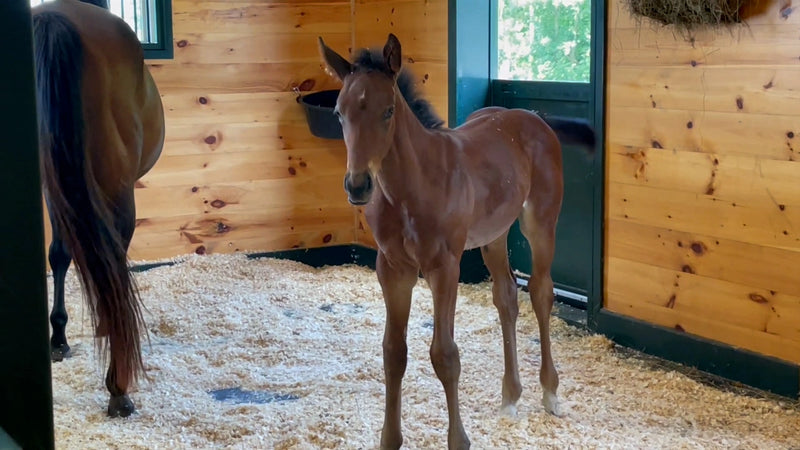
(368,60)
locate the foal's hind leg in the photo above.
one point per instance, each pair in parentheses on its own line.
(60,260)
(538,224)
(504,295)
(117,383)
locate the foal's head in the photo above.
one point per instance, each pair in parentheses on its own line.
(365,107)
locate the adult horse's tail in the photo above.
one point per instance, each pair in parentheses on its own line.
(78,207)
(572,131)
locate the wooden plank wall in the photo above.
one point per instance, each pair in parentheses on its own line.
(703,182)
(240,170)
(421,27)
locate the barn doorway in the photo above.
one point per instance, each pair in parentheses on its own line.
(543,61)
(547,56)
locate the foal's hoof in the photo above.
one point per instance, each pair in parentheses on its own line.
(391,440)
(509,410)
(551,404)
(57,354)
(393,443)
(120,406)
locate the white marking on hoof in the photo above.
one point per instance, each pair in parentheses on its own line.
(509,410)
(551,404)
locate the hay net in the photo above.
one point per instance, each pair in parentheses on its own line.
(689,14)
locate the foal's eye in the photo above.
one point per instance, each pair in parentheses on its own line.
(388,113)
(337,114)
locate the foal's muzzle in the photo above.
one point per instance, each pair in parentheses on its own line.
(358,187)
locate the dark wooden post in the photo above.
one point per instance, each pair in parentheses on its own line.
(26,399)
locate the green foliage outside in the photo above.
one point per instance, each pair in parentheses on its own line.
(548,40)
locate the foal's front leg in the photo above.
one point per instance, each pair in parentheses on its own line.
(397,281)
(443,280)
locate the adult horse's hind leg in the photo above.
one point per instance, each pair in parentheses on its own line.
(538,225)
(117,382)
(397,282)
(504,295)
(60,259)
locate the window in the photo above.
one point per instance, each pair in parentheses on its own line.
(150,19)
(544,40)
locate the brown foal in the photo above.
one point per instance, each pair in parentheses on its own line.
(431,193)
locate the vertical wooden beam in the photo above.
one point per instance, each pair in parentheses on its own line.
(26,403)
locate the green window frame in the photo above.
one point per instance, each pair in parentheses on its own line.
(159,46)
(151,20)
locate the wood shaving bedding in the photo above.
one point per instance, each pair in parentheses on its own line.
(305,344)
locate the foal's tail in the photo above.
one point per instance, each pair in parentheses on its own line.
(572,131)
(79,209)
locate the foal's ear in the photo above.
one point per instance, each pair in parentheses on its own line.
(391,54)
(340,66)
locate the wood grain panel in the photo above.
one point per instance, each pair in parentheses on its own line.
(702,183)
(180,200)
(706,256)
(230,108)
(704,326)
(287,134)
(775,46)
(770,182)
(227,167)
(759,90)
(190,78)
(702,214)
(761,135)
(253,47)
(260,17)
(250,230)
(145,249)
(240,169)
(418,25)
(746,307)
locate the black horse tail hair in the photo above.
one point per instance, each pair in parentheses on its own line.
(572,131)
(78,208)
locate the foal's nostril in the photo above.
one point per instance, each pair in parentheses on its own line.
(358,187)
(368,184)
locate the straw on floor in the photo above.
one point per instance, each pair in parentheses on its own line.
(275,354)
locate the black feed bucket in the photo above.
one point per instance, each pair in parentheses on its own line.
(319,113)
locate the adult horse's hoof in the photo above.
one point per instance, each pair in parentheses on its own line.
(58,354)
(120,406)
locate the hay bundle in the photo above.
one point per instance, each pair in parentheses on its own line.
(689,14)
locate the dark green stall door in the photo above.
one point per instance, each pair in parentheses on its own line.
(495,45)
(572,267)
